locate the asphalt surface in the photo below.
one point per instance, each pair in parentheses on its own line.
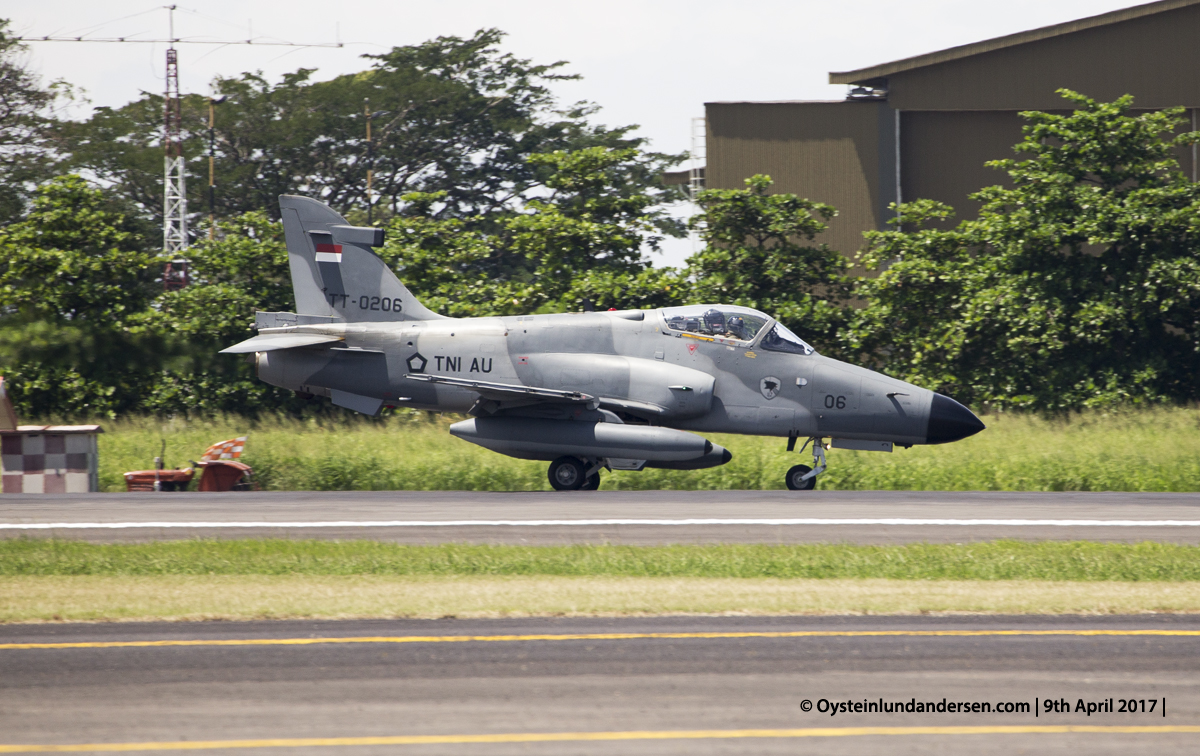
(173,694)
(631,517)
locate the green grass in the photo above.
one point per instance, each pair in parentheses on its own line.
(1148,450)
(999,560)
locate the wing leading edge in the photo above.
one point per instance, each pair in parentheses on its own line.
(269,342)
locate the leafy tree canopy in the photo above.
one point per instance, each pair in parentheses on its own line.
(1078,285)
(759,253)
(26,111)
(73,257)
(580,243)
(450,115)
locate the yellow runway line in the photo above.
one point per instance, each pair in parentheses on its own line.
(553,737)
(602,637)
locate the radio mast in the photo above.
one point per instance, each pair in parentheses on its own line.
(175,235)
(175,219)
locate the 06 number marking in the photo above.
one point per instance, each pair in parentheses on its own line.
(832,402)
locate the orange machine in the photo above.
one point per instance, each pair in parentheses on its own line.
(220,471)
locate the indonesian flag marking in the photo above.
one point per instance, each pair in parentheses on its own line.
(329,253)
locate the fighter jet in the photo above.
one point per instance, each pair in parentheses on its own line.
(590,391)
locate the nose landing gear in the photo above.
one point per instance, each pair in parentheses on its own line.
(803,477)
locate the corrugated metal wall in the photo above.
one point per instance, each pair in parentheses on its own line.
(943,154)
(841,153)
(1155,58)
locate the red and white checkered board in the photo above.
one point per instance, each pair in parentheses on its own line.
(231,449)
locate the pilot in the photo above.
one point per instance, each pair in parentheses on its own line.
(737,328)
(714,321)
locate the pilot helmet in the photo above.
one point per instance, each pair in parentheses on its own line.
(715,320)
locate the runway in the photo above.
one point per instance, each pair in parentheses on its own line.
(697,685)
(624,517)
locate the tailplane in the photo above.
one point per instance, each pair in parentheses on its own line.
(334,272)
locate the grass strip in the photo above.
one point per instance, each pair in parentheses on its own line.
(243,597)
(1156,449)
(1079,561)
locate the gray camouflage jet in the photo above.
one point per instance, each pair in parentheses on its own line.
(617,390)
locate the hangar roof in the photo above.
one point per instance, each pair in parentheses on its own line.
(864,75)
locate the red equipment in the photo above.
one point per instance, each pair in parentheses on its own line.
(219,471)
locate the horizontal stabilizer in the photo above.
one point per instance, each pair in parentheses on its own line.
(269,342)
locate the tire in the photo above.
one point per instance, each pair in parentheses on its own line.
(592,484)
(567,474)
(793,479)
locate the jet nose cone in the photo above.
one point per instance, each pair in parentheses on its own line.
(950,421)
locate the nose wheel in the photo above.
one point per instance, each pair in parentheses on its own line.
(803,477)
(798,478)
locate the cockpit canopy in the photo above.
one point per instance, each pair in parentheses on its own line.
(734,323)
(719,321)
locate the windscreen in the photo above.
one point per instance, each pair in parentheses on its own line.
(780,339)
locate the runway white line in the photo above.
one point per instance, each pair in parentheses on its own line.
(895,521)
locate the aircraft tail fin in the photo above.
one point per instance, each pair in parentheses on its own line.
(334,272)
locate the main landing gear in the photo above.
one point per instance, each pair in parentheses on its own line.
(803,477)
(574,474)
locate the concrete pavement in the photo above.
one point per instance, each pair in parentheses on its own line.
(276,693)
(633,517)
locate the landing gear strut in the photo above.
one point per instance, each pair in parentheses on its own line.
(803,477)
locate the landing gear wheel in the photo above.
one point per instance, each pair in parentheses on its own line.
(592,484)
(567,474)
(795,474)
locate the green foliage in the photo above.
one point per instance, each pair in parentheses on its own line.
(25,119)
(453,115)
(1080,561)
(755,255)
(73,277)
(80,369)
(242,270)
(1078,285)
(582,243)
(594,219)
(86,337)
(605,289)
(248,254)
(1147,450)
(73,258)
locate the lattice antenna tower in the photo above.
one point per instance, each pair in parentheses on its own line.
(175,225)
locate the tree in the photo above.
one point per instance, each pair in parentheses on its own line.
(582,240)
(26,154)
(759,253)
(450,115)
(74,276)
(74,258)
(243,270)
(1077,286)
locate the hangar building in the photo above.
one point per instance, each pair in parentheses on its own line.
(924,126)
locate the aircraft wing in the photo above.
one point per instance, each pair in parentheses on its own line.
(506,391)
(267,342)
